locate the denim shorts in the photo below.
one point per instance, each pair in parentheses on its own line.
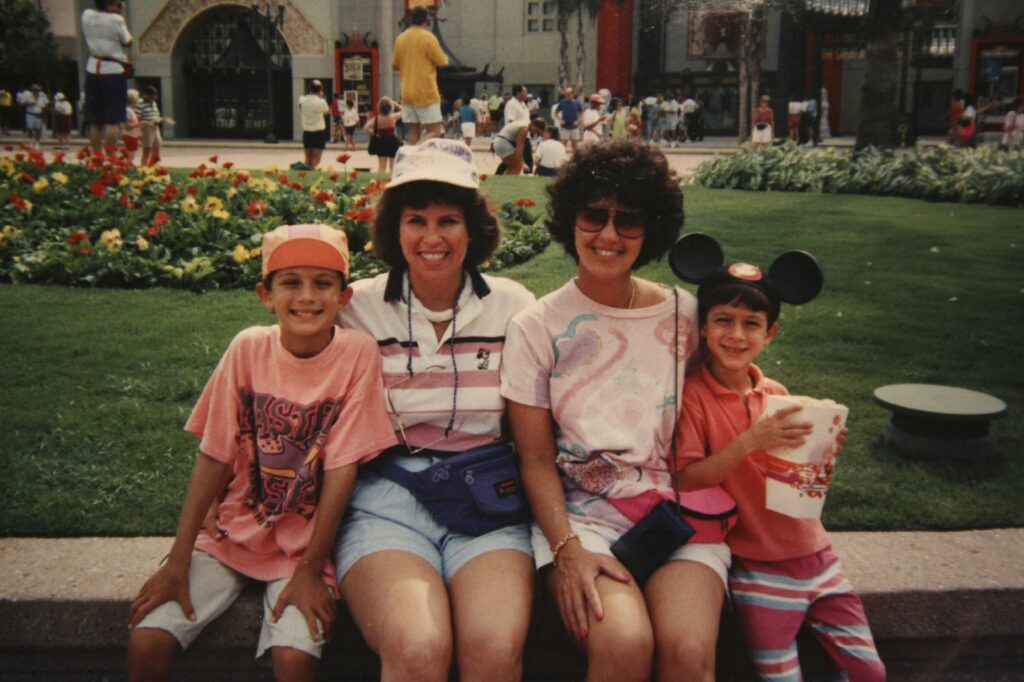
(214,587)
(385,516)
(598,538)
(423,115)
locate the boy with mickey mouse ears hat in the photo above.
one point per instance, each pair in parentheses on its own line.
(285,420)
(722,440)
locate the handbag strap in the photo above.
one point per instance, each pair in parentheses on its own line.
(679,405)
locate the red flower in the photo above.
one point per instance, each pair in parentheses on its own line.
(375,187)
(353,175)
(18,202)
(343,158)
(84,251)
(283,179)
(172,191)
(83,153)
(526,202)
(297,186)
(76,237)
(213,159)
(192,189)
(323,196)
(361,201)
(257,207)
(161,217)
(332,177)
(27,177)
(19,157)
(365,215)
(126,202)
(237,180)
(40,164)
(302,174)
(58,156)
(228,164)
(98,188)
(154,230)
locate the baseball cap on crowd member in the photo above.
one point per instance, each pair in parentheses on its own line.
(305,246)
(437,160)
(596,98)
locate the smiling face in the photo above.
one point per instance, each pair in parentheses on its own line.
(735,335)
(306,302)
(434,241)
(605,255)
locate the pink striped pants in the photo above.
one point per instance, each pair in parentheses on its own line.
(774,598)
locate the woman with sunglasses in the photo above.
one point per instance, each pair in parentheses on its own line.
(417,589)
(592,374)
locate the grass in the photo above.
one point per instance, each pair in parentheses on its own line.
(98,383)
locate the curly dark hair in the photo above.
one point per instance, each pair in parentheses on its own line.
(481,223)
(634,174)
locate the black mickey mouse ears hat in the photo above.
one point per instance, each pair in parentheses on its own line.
(794,277)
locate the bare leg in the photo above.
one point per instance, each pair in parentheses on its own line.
(150,654)
(414,133)
(314,157)
(292,665)
(685,601)
(400,604)
(492,596)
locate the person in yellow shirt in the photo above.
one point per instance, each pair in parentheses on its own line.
(416,56)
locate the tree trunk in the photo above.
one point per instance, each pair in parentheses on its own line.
(563,51)
(878,114)
(581,53)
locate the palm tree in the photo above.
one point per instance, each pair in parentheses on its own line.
(565,9)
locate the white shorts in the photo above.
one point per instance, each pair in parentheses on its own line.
(214,587)
(763,135)
(469,130)
(571,133)
(598,538)
(422,115)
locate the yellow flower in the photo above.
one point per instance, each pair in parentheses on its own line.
(265,185)
(10,231)
(189,204)
(41,184)
(331,206)
(123,181)
(213,204)
(196,263)
(255,253)
(142,244)
(369,246)
(112,240)
(232,192)
(271,170)
(7,166)
(220,214)
(60,177)
(3,240)
(28,205)
(240,254)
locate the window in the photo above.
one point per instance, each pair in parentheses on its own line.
(541,16)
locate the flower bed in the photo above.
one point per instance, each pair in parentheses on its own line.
(986,175)
(96,220)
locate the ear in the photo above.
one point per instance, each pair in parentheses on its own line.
(695,256)
(346,296)
(797,277)
(264,294)
(772,331)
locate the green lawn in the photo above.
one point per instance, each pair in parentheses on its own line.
(98,383)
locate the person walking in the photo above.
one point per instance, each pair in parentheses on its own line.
(417,55)
(106,81)
(35,109)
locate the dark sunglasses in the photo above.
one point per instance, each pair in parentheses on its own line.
(628,224)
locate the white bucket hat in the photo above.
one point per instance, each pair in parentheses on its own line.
(436,160)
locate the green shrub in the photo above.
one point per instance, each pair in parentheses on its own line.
(987,175)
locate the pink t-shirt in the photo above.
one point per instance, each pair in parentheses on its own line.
(712,417)
(606,375)
(278,422)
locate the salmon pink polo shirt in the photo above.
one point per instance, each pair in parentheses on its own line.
(713,416)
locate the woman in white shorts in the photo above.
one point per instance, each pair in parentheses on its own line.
(592,374)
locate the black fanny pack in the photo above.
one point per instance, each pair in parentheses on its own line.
(472,492)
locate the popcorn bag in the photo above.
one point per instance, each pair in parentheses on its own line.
(798,478)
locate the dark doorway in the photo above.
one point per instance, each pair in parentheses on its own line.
(227,55)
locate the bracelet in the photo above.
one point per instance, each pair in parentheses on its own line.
(561,544)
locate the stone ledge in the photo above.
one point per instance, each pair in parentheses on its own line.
(941,605)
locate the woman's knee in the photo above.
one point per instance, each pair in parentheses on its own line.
(417,654)
(686,658)
(623,655)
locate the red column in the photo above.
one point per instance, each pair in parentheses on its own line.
(615,46)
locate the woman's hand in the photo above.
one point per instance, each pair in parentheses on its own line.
(576,589)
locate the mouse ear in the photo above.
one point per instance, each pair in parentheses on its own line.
(695,256)
(796,276)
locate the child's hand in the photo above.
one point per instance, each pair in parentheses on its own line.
(778,431)
(210,523)
(307,592)
(169,583)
